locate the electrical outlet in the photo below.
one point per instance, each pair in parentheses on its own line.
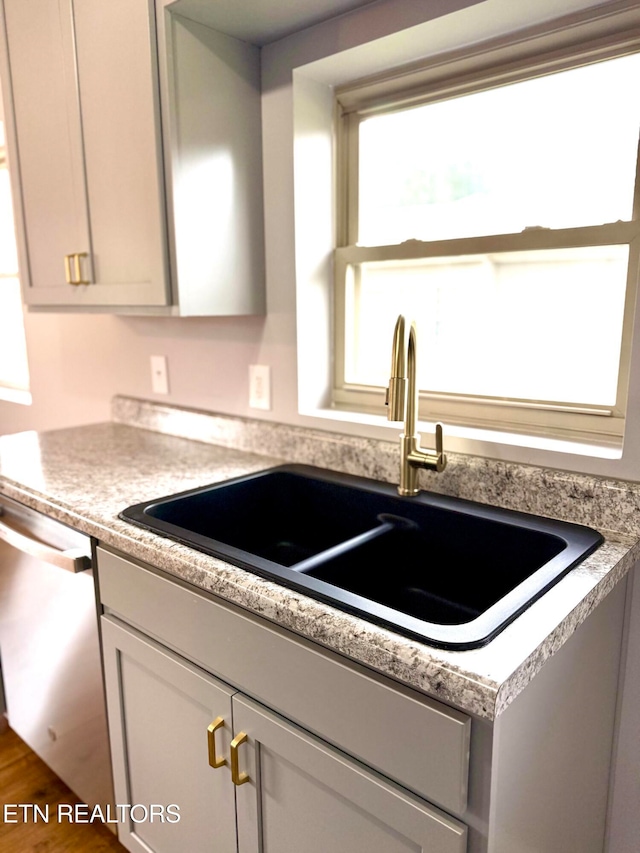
(159,374)
(259,386)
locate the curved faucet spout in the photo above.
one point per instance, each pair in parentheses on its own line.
(402,402)
(397,390)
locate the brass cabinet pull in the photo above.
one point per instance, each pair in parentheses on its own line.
(76,260)
(214,761)
(236,777)
(74,277)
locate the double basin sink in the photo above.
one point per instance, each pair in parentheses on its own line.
(448,572)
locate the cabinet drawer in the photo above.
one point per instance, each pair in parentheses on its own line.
(416,741)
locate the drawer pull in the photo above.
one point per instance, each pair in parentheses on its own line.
(236,777)
(213,727)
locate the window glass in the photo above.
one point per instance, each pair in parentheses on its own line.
(556,151)
(520,325)
(14,369)
(8,253)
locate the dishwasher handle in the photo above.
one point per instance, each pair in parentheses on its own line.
(71,560)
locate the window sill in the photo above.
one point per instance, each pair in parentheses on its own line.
(15,395)
(469,440)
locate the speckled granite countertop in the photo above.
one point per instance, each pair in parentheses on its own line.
(85,476)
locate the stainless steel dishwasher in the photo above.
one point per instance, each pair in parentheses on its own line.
(49,649)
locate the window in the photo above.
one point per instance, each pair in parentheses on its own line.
(14,370)
(498,211)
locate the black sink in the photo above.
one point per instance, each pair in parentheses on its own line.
(446,571)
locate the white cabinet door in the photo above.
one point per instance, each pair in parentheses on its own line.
(49,137)
(160,708)
(119,100)
(85,101)
(302,795)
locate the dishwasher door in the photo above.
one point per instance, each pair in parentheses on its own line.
(49,649)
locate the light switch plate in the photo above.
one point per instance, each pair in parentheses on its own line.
(259,386)
(159,374)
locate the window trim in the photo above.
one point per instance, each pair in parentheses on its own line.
(444,77)
(538,51)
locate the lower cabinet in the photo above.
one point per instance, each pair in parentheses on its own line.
(199,766)
(231,733)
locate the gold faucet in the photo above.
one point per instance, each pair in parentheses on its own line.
(402,401)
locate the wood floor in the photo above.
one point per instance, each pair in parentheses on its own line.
(24,778)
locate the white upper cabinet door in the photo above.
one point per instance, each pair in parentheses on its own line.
(49,137)
(84,89)
(119,100)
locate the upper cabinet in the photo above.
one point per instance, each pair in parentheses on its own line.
(212,129)
(85,106)
(109,222)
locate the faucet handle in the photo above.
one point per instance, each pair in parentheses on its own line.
(396,398)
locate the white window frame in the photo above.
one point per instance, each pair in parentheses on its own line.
(448,76)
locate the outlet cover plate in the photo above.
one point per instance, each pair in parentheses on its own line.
(260,386)
(159,374)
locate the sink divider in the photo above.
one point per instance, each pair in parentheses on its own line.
(388,523)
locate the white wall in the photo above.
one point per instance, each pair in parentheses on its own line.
(78,362)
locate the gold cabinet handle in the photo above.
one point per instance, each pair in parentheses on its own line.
(236,777)
(76,261)
(74,277)
(214,761)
